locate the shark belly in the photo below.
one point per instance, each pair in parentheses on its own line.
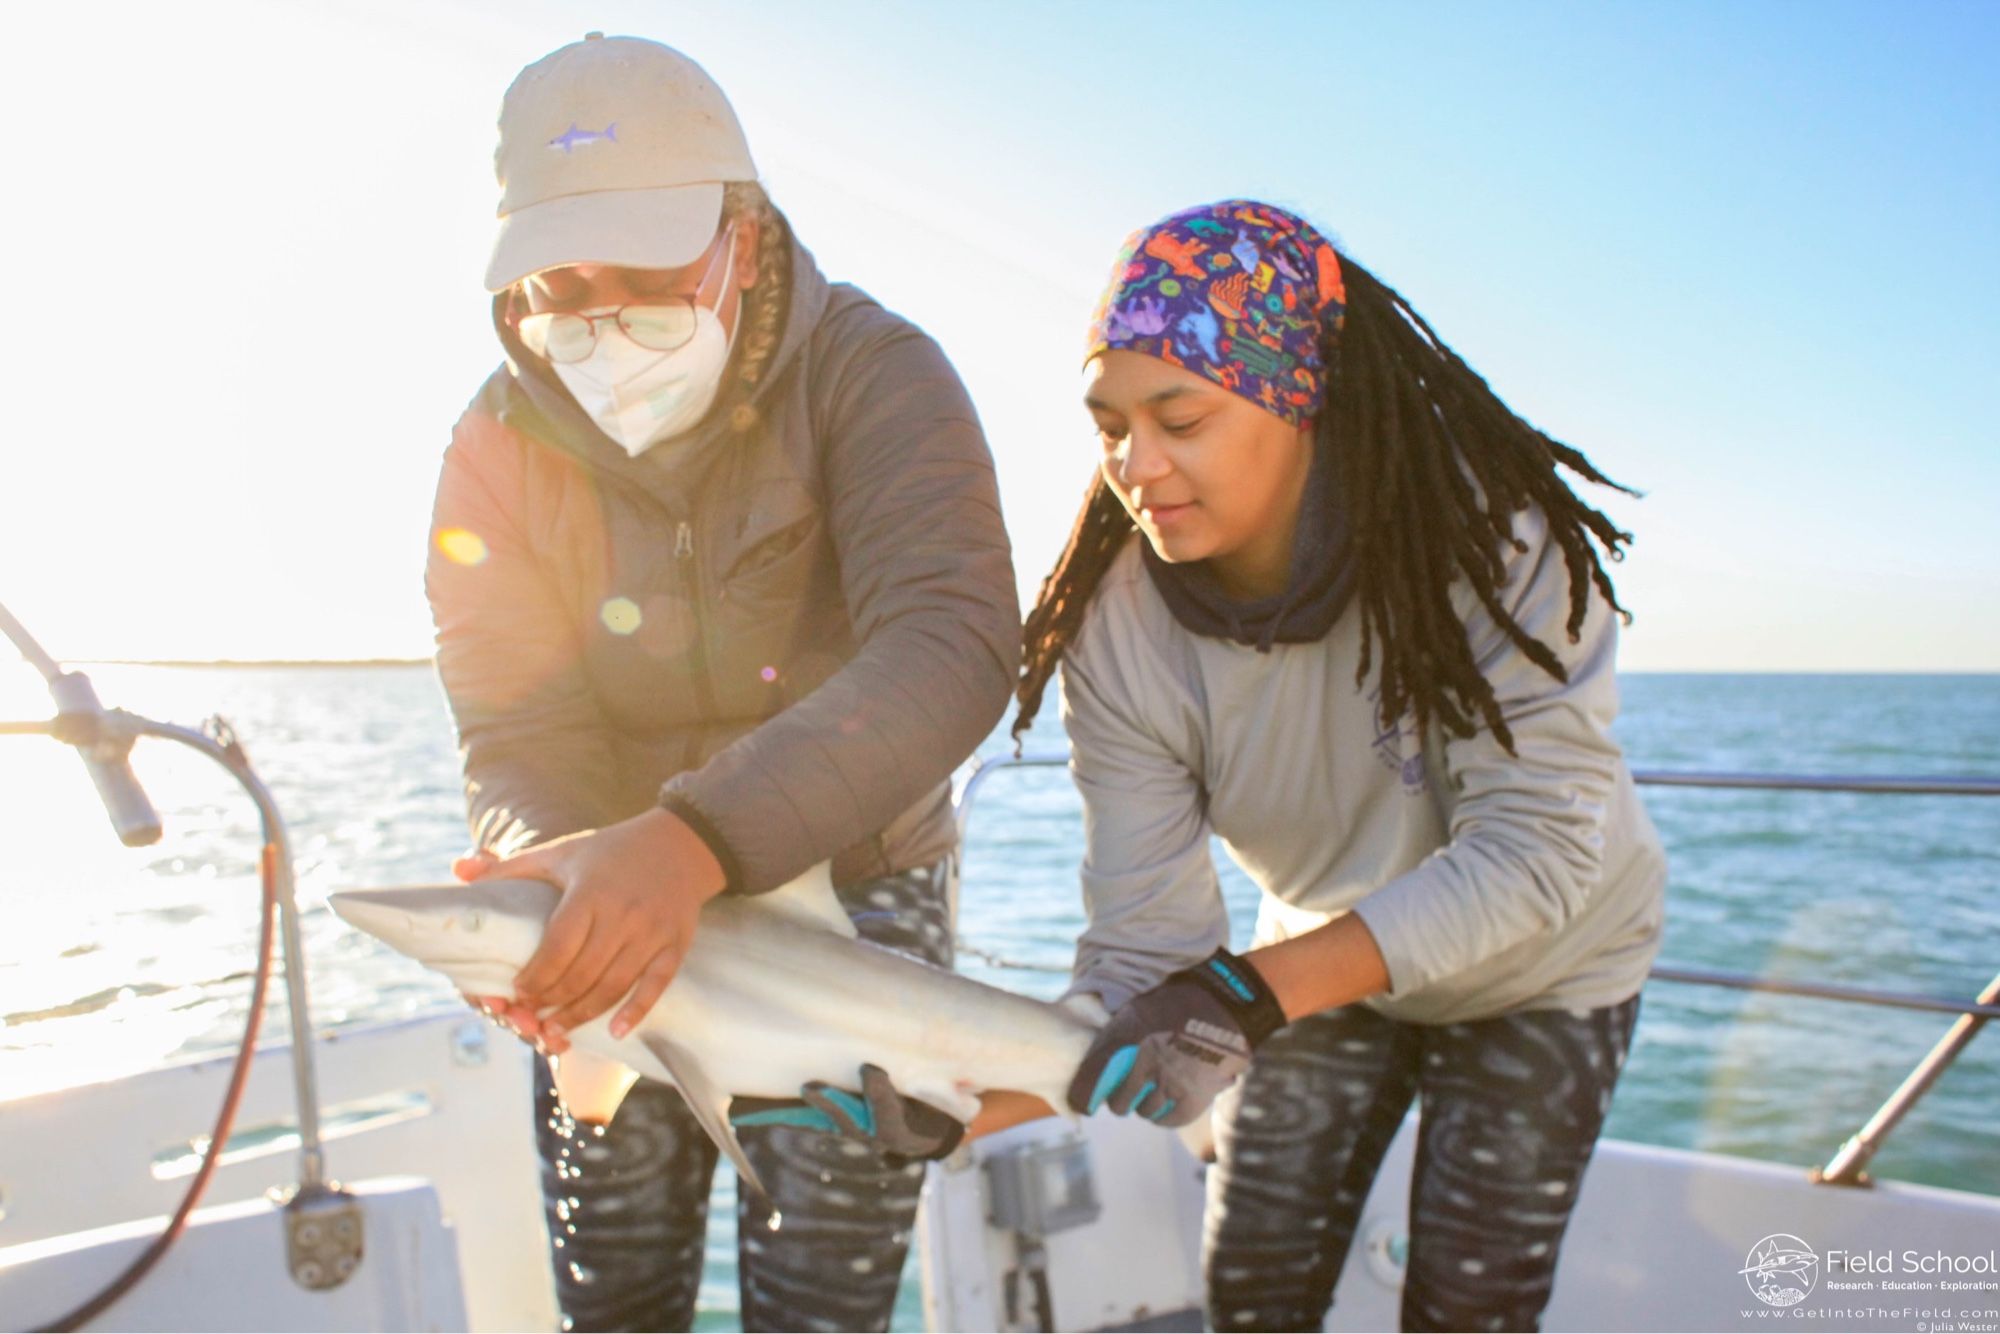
(775,992)
(766,1005)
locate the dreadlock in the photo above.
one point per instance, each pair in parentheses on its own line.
(1407,420)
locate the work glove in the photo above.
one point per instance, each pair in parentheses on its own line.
(904,1129)
(1170,1051)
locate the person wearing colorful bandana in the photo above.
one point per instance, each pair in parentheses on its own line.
(1330,600)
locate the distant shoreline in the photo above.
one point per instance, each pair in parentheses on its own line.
(426,662)
(251,662)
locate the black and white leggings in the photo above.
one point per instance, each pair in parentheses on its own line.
(628,1209)
(1512,1107)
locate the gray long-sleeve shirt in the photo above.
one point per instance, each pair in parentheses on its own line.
(1491,882)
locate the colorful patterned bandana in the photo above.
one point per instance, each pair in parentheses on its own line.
(1237,291)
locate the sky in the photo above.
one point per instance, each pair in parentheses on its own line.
(1740,254)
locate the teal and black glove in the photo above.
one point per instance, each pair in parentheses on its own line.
(1170,1051)
(904,1129)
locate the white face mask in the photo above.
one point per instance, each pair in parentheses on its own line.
(638,396)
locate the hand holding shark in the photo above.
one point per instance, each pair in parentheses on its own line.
(632,894)
(776,994)
(904,1129)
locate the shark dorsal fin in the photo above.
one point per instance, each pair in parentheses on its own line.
(810,901)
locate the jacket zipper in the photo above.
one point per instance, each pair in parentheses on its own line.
(689,565)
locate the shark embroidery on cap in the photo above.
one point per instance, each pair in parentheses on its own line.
(1237,291)
(573,138)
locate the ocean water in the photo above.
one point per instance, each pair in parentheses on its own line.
(116,959)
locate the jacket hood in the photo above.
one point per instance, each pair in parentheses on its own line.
(535,402)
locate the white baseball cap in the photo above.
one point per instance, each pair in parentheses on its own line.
(613,150)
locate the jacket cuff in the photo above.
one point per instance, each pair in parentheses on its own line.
(705,830)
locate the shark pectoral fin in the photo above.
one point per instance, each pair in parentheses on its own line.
(590,1086)
(709,1104)
(809,900)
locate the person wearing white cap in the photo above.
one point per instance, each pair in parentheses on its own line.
(721,592)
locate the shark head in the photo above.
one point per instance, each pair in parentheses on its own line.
(478,935)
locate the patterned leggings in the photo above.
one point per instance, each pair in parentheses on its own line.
(1512,1107)
(628,1208)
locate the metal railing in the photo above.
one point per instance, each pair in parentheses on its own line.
(218,741)
(323,1227)
(1847,1165)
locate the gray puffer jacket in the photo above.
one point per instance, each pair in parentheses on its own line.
(788,625)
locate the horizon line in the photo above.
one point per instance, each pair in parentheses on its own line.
(251,662)
(1631,671)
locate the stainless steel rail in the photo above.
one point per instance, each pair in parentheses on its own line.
(1906,785)
(219,743)
(1900,1000)
(1847,1165)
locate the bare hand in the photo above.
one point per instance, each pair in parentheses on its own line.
(631,895)
(503,1010)
(517,1019)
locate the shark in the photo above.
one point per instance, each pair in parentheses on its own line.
(776,990)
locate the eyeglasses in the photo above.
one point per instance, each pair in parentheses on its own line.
(567,336)
(661,324)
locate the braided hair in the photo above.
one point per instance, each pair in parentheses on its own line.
(761,322)
(1406,420)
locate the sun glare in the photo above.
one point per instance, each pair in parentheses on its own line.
(462,546)
(620,615)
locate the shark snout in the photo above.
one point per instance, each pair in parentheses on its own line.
(376,912)
(438,925)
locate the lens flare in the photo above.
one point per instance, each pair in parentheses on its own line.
(620,615)
(461,546)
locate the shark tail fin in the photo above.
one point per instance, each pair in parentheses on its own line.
(611,132)
(710,1106)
